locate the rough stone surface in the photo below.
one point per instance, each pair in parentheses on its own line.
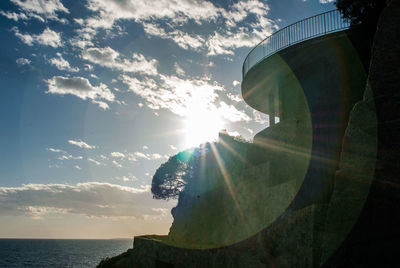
(367,188)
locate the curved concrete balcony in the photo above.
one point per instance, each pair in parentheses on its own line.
(309,75)
(306,58)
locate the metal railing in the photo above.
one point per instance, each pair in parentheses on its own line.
(318,25)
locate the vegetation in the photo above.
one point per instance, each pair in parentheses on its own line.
(183,168)
(365,12)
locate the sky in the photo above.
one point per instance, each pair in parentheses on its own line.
(96,94)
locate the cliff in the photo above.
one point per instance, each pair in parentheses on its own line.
(356,227)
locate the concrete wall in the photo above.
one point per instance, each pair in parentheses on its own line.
(318,80)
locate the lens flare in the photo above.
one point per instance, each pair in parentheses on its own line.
(202,126)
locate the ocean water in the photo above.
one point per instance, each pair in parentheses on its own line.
(58,252)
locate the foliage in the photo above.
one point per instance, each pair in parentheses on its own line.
(183,168)
(172,176)
(364,12)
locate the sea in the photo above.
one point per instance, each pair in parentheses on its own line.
(59,252)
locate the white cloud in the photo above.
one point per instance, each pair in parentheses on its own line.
(23,61)
(62,64)
(326,1)
(41,8)
(56,150)
(14,16)
(182,39)
(127,178)
(81,88)
(235,83)
(77,167)
(228,36)
(234,97)
(145,147)
(81,144)
(141,155)
(178,69)
(69,157)
(173,147)
(64,155)
(260,117)
(110,58)
(173,93)
(88,67)
(92,199)
(155,156)
(115,163)
(47,38)
(77,42)
(135,156)
(178,11)
(97,163)
(226,43)
(183,96)
(80,21)
(233,133)
(230,113)
(117,155)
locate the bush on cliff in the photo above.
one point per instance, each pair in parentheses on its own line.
(364,12)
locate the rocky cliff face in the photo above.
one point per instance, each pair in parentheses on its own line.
(370,164)
(237,198)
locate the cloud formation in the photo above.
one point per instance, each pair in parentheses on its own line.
(183,96)
(69,157)
(13,16)
(110,11)
(47,38)
(233,30)
(54,150)
(117,155)
(92,199)
(81,88)
(110,58)
(62,64)
(135,156)
(23,61)
(97,163)
(41,9)
(81,144)
(231,34)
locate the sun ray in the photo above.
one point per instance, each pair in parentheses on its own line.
(228,182)
(229,148)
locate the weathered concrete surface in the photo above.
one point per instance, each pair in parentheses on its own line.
(318,80)
(289,242)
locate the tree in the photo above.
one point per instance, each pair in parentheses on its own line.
(172,176)
(180,170)
(365,12)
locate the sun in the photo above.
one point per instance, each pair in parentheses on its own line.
(202,126)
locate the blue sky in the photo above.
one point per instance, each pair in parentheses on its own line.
(96,94)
